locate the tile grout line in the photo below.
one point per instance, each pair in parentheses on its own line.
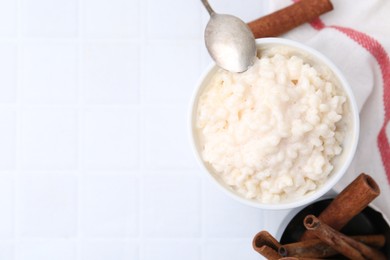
(143,27)
(110,40)
(19,114)
(72,106)
(80,115)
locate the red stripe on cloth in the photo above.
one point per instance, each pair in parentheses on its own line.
(317,24)
(381,56)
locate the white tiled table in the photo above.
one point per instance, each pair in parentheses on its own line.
(95,162)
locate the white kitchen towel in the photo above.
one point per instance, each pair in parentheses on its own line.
(356,37)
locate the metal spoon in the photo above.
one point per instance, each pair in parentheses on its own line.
(229,41)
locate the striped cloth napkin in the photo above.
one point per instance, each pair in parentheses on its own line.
(356,37)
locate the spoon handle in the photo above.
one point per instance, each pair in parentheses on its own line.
(208,7)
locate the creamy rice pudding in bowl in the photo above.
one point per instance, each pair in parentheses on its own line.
(279,135)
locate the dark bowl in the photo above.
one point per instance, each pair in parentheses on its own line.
(368,222)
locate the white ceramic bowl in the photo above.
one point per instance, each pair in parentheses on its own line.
(342,162)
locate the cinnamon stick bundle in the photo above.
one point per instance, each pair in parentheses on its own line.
(340,242)
(315,248)
(288,18)
(342,209)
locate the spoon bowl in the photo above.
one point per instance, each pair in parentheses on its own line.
(229,41)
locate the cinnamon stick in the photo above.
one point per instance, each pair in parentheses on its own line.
(268,252)
(350,202)
(288,18)
(266,245)
(299,258)
(263,238)
(377,241)
(315,248)
(340,242)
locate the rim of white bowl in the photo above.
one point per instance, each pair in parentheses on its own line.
(333,179)
(290,215)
